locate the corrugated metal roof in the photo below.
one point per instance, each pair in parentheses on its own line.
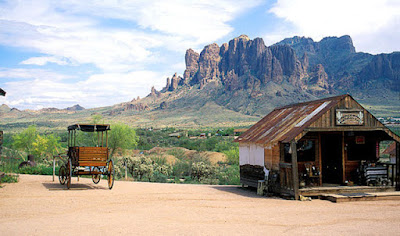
(285,123)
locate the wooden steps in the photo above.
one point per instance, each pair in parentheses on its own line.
(319,191)
(351,197)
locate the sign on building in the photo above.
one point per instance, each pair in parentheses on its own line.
(349,117)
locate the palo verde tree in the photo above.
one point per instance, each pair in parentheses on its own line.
(31,142)
(122,137)
(24,141)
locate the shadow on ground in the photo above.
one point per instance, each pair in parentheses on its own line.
(245,192)
(74,186)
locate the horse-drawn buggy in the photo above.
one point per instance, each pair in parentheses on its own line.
(92,160)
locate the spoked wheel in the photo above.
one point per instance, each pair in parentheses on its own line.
(96,177)
(62,174)
(69,173)
(110,174)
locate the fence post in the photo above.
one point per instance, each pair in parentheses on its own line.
(126,170)
(54,167)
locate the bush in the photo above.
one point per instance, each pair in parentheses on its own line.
(213,181)
(201,170)
(232,155)
(229,175)
(38,170)
(9,179)
(181,169)
(159,178)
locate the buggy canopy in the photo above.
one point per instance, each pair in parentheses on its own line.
(90,127)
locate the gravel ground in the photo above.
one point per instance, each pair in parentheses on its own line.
(38,206)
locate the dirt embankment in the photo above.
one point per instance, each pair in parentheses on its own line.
(38,206)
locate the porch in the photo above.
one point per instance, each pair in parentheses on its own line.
(321,191)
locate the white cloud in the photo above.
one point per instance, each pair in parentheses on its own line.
(41,61)
(22,73)
(123,39)
(97,90)
(361,19)
(74,30)
(201,21)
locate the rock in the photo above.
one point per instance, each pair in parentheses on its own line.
(208,64)
(154,93)
(163,105)
(318,77)
(385,69)
(192,65)
(174,82)
(168,84)
(291,66)
(343,44)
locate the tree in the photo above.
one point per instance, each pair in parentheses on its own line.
(47,145)
(24,140)
(31,142)
(122,137)
(97,118)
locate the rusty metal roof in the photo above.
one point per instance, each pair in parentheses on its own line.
(285,123)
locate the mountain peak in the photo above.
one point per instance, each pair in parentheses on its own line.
(76,107)
(243,37)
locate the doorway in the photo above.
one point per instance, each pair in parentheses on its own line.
(331,157)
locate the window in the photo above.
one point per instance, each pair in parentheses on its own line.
(305,151)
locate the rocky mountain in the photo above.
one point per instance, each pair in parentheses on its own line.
(246,76)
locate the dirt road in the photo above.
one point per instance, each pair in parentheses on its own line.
(38,206)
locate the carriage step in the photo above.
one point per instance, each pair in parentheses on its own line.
(90,173)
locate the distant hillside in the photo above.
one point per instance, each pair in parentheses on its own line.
(238,82)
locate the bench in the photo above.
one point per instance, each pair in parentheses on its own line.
(89,156)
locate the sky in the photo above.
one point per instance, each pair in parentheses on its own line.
(98,53)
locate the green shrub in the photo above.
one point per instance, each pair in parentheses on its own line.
(232,155)
(9,179)
(229,175)
(212,181)
(38,170)
(201,170)
(181,168)
(159,177)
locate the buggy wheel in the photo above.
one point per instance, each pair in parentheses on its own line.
(110,174)
(69,173)
(96,177)
(62,174)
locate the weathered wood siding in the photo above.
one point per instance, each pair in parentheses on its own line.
(328,120)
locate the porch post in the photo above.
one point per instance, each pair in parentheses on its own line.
(343,159)
(397,179)
(295,171)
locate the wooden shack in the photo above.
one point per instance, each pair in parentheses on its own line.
(320,145)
